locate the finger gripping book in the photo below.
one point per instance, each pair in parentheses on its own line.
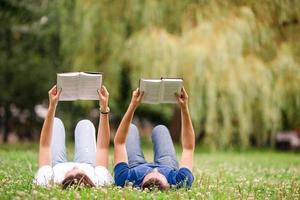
(79,85)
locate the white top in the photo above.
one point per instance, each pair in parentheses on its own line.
(47,174)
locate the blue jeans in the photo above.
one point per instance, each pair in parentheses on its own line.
(163,148)
(85,143)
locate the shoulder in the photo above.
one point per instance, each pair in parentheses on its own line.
(43,176)
(184,177)
(121,166)
(121,171)
(44,168)
(185,170)
(103,176)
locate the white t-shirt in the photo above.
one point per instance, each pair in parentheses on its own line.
(47,174)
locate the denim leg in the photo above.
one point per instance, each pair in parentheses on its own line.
(85,142)
(133,147)
(58,145)
(164,152)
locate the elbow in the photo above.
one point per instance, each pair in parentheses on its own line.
(189,146)
(117,141)
(45,144)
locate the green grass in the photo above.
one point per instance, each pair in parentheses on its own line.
(220,175)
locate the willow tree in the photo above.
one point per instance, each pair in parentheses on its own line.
(239,59)
(93,35)
(240,71)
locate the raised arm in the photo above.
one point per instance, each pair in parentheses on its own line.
(187,132)
(103,129)
(46,133)
(120,154)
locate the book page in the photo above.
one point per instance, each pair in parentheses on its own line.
(89,83)
(68,82)
(151,89)
(169,88)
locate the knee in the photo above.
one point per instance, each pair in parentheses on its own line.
(160,128)
(58,122)
(84,123)
(133,130)
(133,127)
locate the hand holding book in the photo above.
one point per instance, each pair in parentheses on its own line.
(103,97)
(137,96)
(54,94)
(182,98)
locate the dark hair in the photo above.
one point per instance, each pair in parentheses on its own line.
(153,183)
(78,179)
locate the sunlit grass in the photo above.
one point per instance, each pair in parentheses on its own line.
(220,175)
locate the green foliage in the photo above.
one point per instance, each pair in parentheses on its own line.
(230,175)
(239,69)
(29,52)
(29,59)
(239,58)
(102,28)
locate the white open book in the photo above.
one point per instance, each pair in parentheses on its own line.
(79,85)
(160,90)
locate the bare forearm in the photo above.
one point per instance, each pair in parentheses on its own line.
(187,138)
(46,133)
(187,130)
(45,139)
(123,129)
(103,141)
(103,131)
(120,154)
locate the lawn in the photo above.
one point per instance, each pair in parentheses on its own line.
(251,174)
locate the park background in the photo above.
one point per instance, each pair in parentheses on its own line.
(239,59)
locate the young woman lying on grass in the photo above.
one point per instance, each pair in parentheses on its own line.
(130,164)
(89,167)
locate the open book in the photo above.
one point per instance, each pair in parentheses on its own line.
(160,90)
(79,85)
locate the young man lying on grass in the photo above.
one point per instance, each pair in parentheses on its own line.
(130,164)
(90,160)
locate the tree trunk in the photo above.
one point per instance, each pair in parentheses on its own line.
(6,104)
(5,123)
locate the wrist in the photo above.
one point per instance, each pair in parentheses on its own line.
(132,106)
(103,104)
(51,111)
(52,106)
(103,107)
(184,107)
(104,110)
